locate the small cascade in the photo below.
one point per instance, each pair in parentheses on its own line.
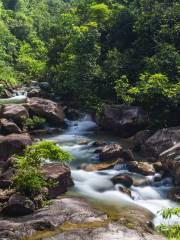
(81,127)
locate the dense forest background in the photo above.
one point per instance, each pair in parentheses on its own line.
(95,52)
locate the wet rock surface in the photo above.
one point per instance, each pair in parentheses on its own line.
(15,112)
(125,180)
(161,141)
(139,138)
(18,205)
(99,166)
(61,176)
(122,120)
(111,151)
(47,109)
(13,143)
(76,220)
(8,127)
(170,160)
(143,168)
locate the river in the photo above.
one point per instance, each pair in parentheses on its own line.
(97,186)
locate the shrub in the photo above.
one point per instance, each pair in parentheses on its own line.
(35,123)
(172,232)
(29,177)
(29,181)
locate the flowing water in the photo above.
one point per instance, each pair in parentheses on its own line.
(97,185)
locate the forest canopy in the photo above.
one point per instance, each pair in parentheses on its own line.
(95,52)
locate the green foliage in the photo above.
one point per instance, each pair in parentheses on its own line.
(172,232)
(29,177)
(29,181)
(35,123)
(89,50)
(99,12)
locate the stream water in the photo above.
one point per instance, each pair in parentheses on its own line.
(97,185)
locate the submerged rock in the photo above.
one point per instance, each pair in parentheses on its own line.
(99,166)
(125,190)
(122,120)
(98,143)
(13,143)
(46,109)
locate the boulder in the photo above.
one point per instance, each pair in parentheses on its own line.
(114,151)
(170,160)
(34,92)
(8,127)
(174,194)
(111,151)
(122,120)
(99,166)
(46,109)
(143,168)
(128,155)
(160,141)
(18,205)
(13,144)
(61,176)
(5,195)
(71,114)
(7,93)
(6,178)
(44,85)
(125,180)
(158,166)
(139,138)
(15,112)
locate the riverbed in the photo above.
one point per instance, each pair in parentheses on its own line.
(97,187)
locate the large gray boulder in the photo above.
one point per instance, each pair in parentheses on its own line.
(160,141)
(114,151)
(13,144)
(15,112)
(170,160)
(8,127)
(18,205)
(61,176)
(122,120)
(47,109)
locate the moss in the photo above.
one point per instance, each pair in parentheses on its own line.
(67,226)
